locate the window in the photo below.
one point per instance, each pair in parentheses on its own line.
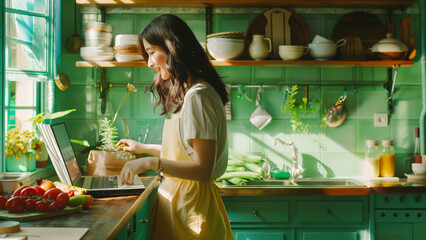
(28,59)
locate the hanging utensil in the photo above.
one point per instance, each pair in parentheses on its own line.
(73,43)
(337,114)
(62,81)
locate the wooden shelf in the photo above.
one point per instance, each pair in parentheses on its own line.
(249,3)
(266,63)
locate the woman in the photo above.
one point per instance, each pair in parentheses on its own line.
(194,148)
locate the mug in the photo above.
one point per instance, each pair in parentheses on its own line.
(324,50)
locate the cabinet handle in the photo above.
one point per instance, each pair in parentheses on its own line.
(383,214)
(329,211)
(419,215)
(407,215)
(402,199)
(395,214)
(255,213)
(144,220)
(387,199)
(418,198)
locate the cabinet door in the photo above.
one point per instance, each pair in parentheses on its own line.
(142,220)
(331,235)
(419,231)
(262,234)
(394,231)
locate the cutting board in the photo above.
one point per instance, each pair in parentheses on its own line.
(51,233)
(360,24)
(295,32)
(29,216)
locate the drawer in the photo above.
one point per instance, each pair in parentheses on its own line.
(400,215)
(412,200)
(257,212)
(330,212)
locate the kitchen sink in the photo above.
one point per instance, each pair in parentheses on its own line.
(329,182)
(307,182)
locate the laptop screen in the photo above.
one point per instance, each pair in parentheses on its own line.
(64,142)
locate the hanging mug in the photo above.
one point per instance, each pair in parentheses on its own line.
(259,47)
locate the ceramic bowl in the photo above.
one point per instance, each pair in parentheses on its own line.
(126,39)
(225,49)
(95,38)
(418,168)
(291,52)
(100,26)
(128,57)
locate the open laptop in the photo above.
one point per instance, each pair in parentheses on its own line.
(61,152)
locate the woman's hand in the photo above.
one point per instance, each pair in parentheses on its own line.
(130,145)
(134,167)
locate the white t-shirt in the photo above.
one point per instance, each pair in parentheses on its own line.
(203,117)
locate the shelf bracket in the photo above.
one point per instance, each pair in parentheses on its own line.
(209,21)
(389,85)
(103,86)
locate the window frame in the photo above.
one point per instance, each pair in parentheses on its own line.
(41,78)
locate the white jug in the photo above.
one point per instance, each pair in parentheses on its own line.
(258,48)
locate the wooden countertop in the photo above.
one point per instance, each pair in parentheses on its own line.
(106,218)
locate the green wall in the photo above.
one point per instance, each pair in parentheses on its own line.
(323,151)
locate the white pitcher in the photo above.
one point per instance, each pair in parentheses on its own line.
(259,48)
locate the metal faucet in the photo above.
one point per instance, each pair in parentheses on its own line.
(296,169)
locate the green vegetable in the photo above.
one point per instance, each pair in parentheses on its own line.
(234,155)
(237,181)
(252,176)
(255,168)
(234,169)
(77,200)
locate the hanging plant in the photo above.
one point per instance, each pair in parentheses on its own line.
(306,106)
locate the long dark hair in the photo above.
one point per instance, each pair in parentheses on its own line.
(185,57)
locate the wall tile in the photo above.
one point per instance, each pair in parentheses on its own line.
(407,102)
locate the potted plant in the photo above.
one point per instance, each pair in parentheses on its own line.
(22,149)
(107,160)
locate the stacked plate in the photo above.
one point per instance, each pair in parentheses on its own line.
(125,48)
(98,37)
(97,53)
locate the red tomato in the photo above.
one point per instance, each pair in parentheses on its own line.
(52,193)
(28,192)
(54,206)
(15,205)
(3,200)
(30,204)
(42,206)
(62,199)
(40,191)
(17,192)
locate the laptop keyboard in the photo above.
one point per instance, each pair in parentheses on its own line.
(104,182)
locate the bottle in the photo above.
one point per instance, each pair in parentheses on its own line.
(417,155)
(387,159)
(371,164)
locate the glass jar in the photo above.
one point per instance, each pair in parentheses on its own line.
(387,159)
(371,164)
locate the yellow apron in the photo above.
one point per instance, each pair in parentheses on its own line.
(186,209)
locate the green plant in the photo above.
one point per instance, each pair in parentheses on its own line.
(305,106)
(109,133)
(42,116)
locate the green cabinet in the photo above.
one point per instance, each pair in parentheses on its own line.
(400,216)
(138,227)
(298,217)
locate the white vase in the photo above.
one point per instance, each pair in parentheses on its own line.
(259,47)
